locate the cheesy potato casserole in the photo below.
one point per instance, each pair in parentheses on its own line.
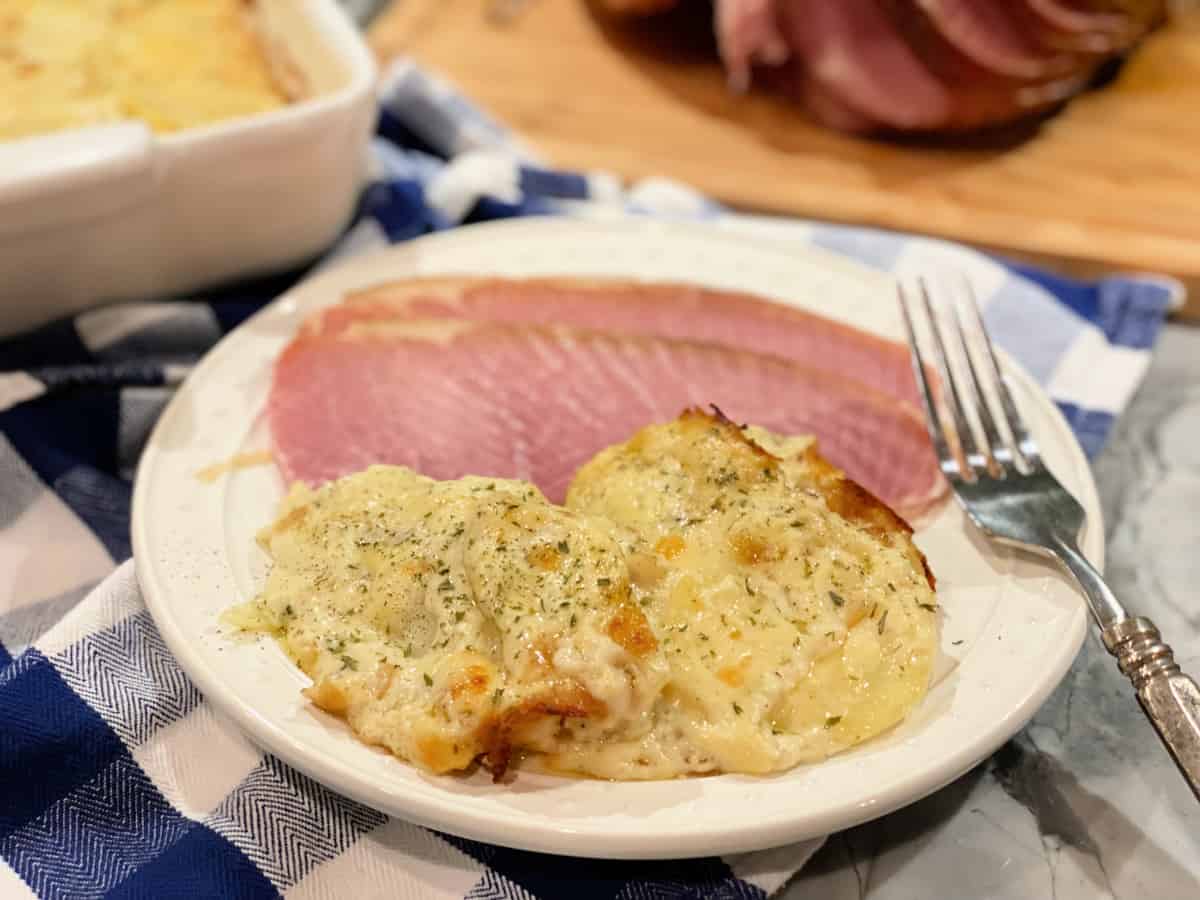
(174,64)
(712,598)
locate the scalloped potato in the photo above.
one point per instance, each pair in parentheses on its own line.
(711,599)
(172,63)
(796,615)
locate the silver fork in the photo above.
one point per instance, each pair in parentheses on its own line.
(999,478)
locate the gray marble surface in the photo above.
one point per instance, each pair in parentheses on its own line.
(1084,803)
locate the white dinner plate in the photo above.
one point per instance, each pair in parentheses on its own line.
(1011,627)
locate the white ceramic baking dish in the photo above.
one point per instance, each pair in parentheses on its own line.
(112,213)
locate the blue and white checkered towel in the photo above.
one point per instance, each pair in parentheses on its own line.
(116,778)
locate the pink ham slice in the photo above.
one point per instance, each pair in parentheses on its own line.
(870,66)
(726,318)
(819,101)
(1097,30)
(852,50)
(1091,30)
(986,33)
(747,35)
(957,41)
(451,398)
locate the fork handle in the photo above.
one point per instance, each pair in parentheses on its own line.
(1170,698)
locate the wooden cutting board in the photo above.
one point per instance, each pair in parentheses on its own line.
(1112,183)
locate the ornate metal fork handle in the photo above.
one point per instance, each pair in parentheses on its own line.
(996,470)
(1170,699)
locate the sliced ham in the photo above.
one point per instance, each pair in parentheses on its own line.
(727,318)
(995,62)
(987,34)
(984,94)
(820,102)
(451,398)
(923,65)
(748,35)
(852,50)
(1094,30)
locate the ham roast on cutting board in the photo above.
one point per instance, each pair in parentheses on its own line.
(531,378)
(920,66)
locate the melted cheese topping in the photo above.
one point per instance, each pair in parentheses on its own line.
(172,63)
(697,607)
(449,620)
(792,632)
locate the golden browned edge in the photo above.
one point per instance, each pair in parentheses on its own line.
(286,72)
(568,700)
(565,698)
(844,496)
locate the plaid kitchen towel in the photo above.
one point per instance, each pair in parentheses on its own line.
(117,779)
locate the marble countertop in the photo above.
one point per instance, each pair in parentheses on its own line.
(1084,803)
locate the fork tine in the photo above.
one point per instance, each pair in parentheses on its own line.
(996,446)
(933,420)
(962,433)
(1025,445)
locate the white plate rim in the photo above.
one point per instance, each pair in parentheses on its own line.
(451,814)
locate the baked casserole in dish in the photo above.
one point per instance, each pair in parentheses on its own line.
(173,64)
(152,148)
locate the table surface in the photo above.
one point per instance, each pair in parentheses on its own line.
(1084,803)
